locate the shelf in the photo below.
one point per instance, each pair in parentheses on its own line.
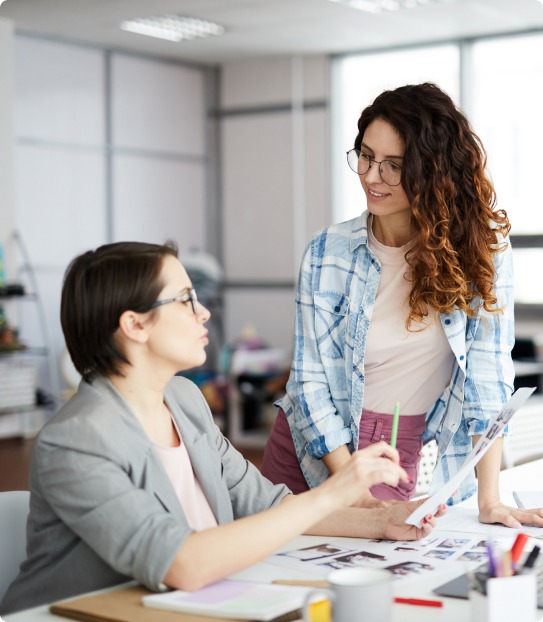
(27,350)
(528,368)
(26,422)
(20,409)
(25,296)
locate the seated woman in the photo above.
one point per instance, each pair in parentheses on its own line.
(132,479)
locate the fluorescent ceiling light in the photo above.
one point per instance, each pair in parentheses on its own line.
(172,27)
(377,6)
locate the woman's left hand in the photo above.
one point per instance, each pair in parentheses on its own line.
(497,512)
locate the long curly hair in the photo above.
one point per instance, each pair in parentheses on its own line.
(452,199)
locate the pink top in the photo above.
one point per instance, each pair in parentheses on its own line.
(412,368)
(176,463)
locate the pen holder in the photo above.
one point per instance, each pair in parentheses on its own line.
(506,599)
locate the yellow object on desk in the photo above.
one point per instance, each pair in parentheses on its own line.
(320,611)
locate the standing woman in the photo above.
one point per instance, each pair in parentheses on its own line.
(411,302)
(133,480)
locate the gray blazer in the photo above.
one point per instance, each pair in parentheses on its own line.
(102,509)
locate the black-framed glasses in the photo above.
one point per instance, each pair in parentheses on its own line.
(189,296)
(360,163)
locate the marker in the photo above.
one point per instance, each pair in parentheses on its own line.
(395,422)
(491,557)
(530,560)
(421,602)
(507,565)
(518,547)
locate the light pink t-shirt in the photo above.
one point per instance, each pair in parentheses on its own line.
(412,368)
(176,463)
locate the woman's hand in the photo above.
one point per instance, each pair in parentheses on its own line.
(367,500)
(498,512)
(376,464)
(395,528)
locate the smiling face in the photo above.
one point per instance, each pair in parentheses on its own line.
(382,142)
(178,335)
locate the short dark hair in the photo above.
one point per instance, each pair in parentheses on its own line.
(99,286)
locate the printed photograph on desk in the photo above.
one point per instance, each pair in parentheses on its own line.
(406,560)
(317,552)
(354,560)
(454,543)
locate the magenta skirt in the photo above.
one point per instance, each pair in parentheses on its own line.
(280,463)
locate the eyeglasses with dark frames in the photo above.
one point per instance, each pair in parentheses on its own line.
(189,296)
(360,162)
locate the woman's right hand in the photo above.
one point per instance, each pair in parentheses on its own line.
(376,464)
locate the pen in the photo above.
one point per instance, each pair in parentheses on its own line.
(530,560)
(395,422)
(507,565)
(421,602)
(517,548)
(491,558)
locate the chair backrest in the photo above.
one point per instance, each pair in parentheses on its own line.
(14,506)
(426,468)
(525,440)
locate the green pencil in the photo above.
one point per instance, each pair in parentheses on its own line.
(395,422)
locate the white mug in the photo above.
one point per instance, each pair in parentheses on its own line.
(362,594)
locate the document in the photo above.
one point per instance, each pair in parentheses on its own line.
(466,520)
(526,499)
(493,430)
(239,600)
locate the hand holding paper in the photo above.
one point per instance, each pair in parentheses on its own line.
(431,505)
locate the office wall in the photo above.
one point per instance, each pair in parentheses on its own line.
(108,147)
(7,208)
(111,146)
(275,186)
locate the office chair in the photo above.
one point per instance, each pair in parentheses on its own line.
(14,507)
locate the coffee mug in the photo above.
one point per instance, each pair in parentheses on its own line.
(362,594)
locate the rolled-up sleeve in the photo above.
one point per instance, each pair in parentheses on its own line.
(318,329)
(490,372)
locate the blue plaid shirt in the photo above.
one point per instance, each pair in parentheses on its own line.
(335,296)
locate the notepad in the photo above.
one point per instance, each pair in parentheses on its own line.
(528,499)
(239,600)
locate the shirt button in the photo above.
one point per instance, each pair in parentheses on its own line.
(382,436)
(447,321)
(462,357)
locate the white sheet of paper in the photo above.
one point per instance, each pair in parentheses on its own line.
(466,520)
(431,505)
(526,499)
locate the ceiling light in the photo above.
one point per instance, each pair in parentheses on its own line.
(172,27)
(378,6)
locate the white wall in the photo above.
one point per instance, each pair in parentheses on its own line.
(112,146)
(275,185)
(7,208)
(108,147)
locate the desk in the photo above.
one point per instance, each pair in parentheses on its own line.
(526,476)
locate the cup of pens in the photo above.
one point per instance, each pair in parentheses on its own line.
(506,589)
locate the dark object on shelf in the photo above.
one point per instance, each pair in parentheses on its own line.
(12,289)
(43,398)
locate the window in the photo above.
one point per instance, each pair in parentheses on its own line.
(507,91)
(502,79)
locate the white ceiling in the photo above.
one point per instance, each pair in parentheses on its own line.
(270,27)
